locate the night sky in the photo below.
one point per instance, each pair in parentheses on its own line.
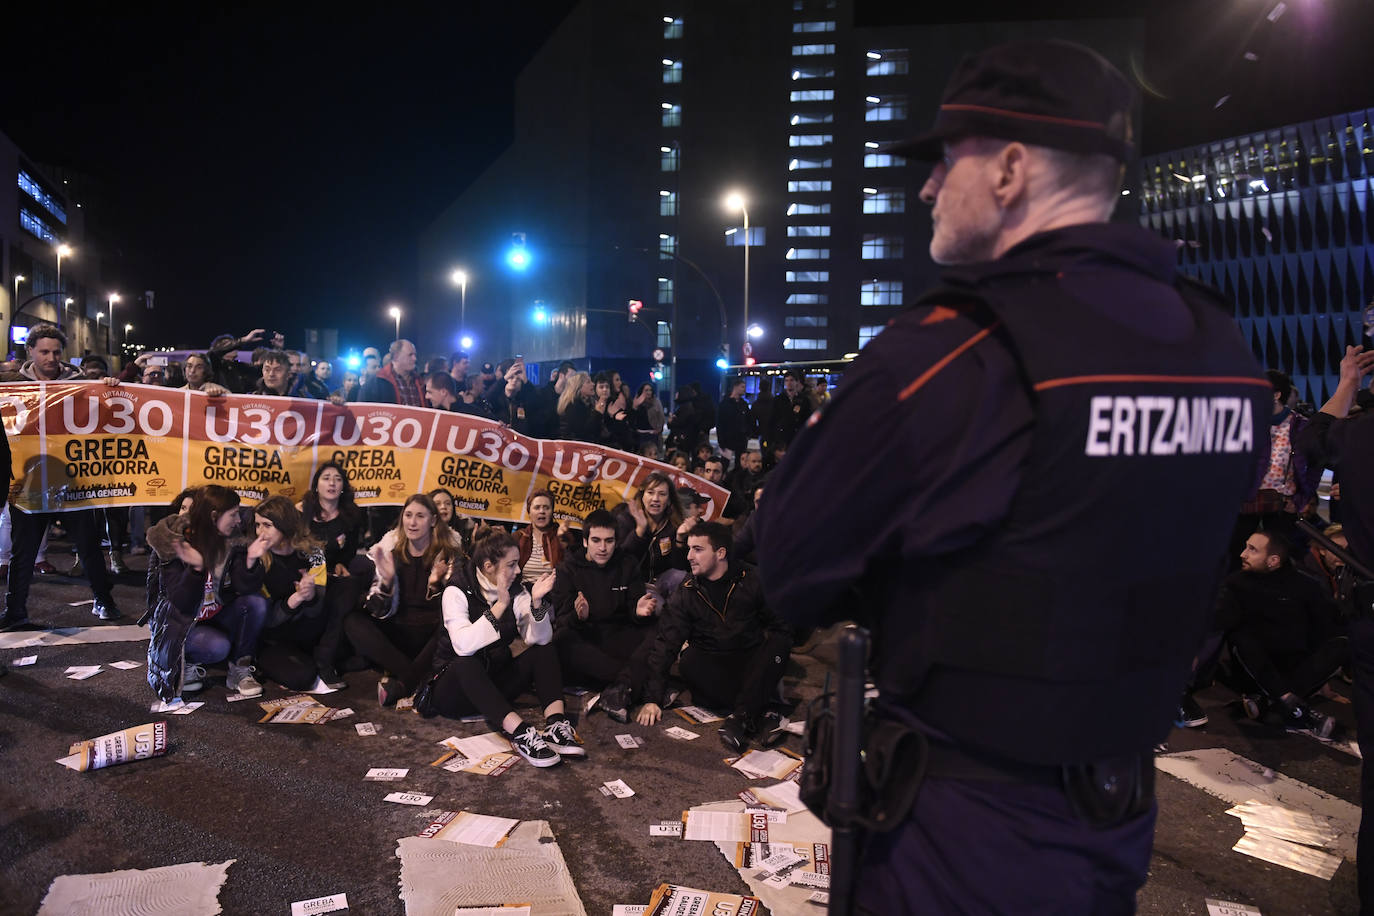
(276,168)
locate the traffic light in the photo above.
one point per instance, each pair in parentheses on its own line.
(518,256)
(634,307)
(657,372)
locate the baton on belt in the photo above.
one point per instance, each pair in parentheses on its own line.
(843,804)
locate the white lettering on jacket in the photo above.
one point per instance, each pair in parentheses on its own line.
(1126,426)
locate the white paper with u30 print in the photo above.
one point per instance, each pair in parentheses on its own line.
(409,798)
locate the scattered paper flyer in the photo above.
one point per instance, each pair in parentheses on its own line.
(697,715)
(81,672)
(629,742)
(785,795)
(305,715)
(321,687)
(505,909)
(675,900)
(823,898)
(171,705)
(366,729)
(681,734)
(666,828)
(777,764)
(188,708)
(1286,824)
(1223,908)
(26,660)
(617,788)
(284,702)
(1289,855)
(125,746)
(126,666)
(409,798)
(472,829)
(629,909)
(188,889)
(488,754)
(725,826)
(331,904)
(383,774)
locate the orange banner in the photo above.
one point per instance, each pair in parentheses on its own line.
(81,445)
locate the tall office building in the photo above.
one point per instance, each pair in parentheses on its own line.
(635,123)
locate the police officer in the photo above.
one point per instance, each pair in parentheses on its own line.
(1062,408)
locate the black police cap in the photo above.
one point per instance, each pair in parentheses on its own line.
(1047,93)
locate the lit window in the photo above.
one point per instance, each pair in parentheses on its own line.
(805,343)
(734,236)
(803,27)
(808,276)
(813,95)
(885,108)
(807,231)
(667,246)
(890,62)
(810,139)
(32,223)
(869,331)
(665,291)
(806,321)
(880,247)
(798,187)
(880,292)
(885,200)
(808,254)
(807,209)
(672,115)
(812,50)
(672,28)
(667,158)
(667,203)
(665,335)
(808,299)
(812,117)
(813,73)
(50,202)
(672,71)
(798,164)
(882,160)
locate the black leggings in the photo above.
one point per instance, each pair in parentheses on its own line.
(468,686)
(405,650)
(1277,674)
(740,681)
(605,654)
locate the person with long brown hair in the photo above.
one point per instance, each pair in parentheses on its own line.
(403,612)
(657,536)
(198,618)
(339,524)
(485,608)
(287,564)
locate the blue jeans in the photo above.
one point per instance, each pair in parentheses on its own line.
(232,633)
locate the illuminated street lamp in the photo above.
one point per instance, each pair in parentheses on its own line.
(67,304)
(460,280)
(98,316)
(736,201)
(127,329)
(109,337)
(63,251)
(18,278)
(395,312)
(755,332)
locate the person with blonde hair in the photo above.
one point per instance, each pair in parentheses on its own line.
(577,416)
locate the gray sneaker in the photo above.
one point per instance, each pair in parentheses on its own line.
(241,678)
(192,678)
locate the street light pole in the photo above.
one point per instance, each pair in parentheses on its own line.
(109,336)
(736,201)
(63,251)
(396,313)
(460,277)
(15,301)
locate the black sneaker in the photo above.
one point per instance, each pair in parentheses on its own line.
(10,621)
(735,731)
(389,690)
(670,697)
(615,700)
(531,745)
(1190,714)
(1253,706)
(106,610)
(1306,719)
(331,678)
(562,737)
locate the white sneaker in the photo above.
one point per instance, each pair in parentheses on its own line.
(192,678)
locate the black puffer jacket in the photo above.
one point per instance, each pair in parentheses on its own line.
(612,592)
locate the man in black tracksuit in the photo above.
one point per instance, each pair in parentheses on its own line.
(738,646)
(602,616)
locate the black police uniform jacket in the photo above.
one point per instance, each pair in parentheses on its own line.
(1029,484)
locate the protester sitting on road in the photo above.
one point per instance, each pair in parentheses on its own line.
(402,611)
(1283,632)
(288,566)
(577,418)
(541,547)
(650,528)
(1323,565)
(737,647)
(603,616)
(337,522)
(276,374)
(460,527)
(485,609)
(198,619)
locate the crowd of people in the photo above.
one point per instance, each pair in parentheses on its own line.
(316,590)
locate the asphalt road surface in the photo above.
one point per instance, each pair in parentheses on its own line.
(289,804)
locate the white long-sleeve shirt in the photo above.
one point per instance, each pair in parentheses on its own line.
(470,637)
